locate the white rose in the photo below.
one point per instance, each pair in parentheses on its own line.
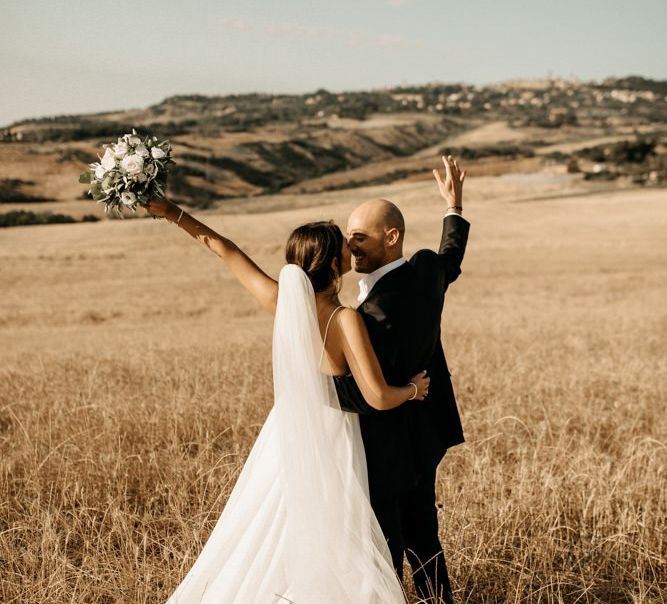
(141,150)
(157,153)
(100,171)
(134,141)
(132,164)
(120,149)
(128,198)
(109,160)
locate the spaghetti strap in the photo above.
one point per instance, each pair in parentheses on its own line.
(326,332)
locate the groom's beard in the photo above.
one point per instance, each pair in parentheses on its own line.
(363,263)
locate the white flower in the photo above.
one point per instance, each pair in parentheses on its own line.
(141,150)
(132,164)
(109,160)
(141,177)
(157,153)
(120,149)
(99,171)
(128,198)
(134,140)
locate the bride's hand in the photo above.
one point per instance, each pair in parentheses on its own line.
(160,207)
(421,380)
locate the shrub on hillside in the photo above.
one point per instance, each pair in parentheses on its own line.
(513,151)
(633,152)
(11,191)
(24,218)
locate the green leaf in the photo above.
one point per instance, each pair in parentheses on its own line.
(85,178)
(96,191)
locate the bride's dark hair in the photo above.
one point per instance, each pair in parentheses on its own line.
(314,247)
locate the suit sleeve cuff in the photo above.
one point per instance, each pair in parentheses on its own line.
(455,214)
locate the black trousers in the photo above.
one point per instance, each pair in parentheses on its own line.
(409,522)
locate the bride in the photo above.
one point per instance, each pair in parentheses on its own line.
(298,526)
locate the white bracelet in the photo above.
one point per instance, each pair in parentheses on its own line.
(179,217)
(414,396)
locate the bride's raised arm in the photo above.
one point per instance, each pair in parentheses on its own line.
(366,370)
(253,278)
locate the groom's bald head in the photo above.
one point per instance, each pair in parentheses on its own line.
(379,214)
(375,232)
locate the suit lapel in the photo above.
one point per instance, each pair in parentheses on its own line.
(392,280)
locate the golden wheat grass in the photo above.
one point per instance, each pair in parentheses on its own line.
(136,374)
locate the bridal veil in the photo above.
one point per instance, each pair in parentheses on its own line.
(298,526)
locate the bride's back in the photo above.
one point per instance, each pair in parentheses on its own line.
(328,318)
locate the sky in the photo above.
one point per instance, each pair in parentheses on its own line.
(76,56)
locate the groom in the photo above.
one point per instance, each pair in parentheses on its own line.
(401,304)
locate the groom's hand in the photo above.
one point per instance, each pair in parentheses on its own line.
(451,190)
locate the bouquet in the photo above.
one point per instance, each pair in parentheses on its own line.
(131,171)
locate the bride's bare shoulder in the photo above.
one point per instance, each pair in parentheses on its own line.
(349,319)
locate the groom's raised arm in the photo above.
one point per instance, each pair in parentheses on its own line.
(453,243)
(455,228)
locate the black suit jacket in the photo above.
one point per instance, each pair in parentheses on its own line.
(402,313)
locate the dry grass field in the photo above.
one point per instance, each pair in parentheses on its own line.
(135,374)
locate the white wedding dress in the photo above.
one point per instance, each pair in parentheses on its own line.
(298,526)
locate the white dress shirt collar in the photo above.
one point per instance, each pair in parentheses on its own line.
(367,282)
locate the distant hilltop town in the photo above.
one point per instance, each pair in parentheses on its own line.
(542,103)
